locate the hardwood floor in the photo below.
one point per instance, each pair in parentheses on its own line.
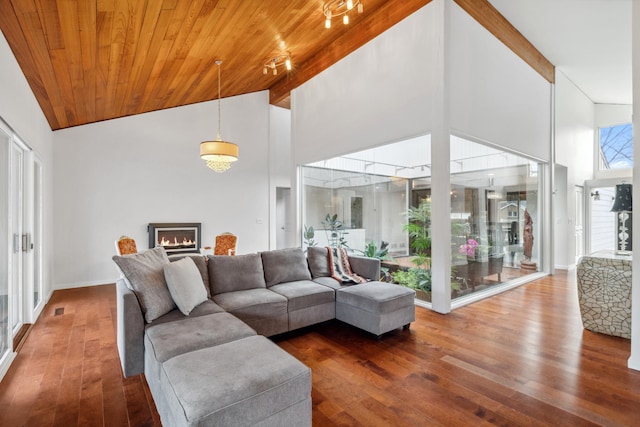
(520,358)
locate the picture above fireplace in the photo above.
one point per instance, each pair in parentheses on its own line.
(178,237)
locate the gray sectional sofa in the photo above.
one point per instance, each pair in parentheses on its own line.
(197,328)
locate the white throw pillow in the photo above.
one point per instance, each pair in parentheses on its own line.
(185,284)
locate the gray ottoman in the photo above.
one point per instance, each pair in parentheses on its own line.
(247,382)
(376,307)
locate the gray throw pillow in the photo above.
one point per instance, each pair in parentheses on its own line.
(235,273)
(200,262)
(145,273)
(185,284)
(318,258)
(285,265)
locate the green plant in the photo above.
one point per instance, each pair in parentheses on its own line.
(414,278)
(335,231)
(371,250)
(418,227)
(308,235)
(420,261)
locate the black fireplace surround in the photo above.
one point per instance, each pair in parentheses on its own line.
(175,237)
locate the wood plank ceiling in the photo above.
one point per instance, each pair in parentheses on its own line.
(93,60)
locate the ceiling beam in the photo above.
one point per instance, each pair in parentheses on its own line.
(371,26)
(489,17)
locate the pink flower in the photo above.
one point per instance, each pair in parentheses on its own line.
(469,248)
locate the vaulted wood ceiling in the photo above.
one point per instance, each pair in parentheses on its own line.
(93,60)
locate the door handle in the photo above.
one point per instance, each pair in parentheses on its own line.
(16,243)
(26,242)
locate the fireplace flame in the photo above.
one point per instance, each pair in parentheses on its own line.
(168,243)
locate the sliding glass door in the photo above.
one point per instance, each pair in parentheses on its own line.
(5,245)
(16,216)
(21,230)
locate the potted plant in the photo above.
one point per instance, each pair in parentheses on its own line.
(335,231)
(308,235)
(371,250)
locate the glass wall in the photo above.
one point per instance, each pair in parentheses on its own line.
(496,217)
(378,203)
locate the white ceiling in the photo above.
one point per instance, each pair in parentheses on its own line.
(589,41)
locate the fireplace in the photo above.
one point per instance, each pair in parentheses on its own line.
(179,237)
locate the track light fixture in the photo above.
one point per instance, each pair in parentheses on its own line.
(333,8)
(272,64)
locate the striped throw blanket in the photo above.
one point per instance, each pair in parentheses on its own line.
(340,267)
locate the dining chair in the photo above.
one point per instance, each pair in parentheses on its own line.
(125,245)
(226,244)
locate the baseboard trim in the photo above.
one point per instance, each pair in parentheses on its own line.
(20,338)
(84,284)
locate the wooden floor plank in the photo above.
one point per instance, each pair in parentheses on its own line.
(518,359)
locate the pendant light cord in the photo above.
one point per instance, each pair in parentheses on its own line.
(218,63)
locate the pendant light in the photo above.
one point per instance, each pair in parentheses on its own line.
(218,154)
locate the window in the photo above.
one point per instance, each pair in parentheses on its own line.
(616,147)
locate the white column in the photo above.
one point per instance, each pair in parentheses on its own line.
(634,360)
(440,171)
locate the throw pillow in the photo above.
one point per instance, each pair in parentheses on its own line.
(318,258)
(284,265)
(200,262)
(235,273)
(145,273)
(185,284)
(340,267)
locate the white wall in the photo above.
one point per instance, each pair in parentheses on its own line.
(20,110)
(280,146)
(377,95)
(574,130)
(115,177)
(280,173)
(612,114)
(574,149)
(494,95)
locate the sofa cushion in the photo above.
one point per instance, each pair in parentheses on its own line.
(330,282)
(235,273)
(240,383)
(376,297)
(145,273)
(284,265)
(318,258)
(193,333)
(304,293)
(253,303)
(185,284)
(200,262)
(207,307)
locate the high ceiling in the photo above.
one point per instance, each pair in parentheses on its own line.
(94,60)
(589,41)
